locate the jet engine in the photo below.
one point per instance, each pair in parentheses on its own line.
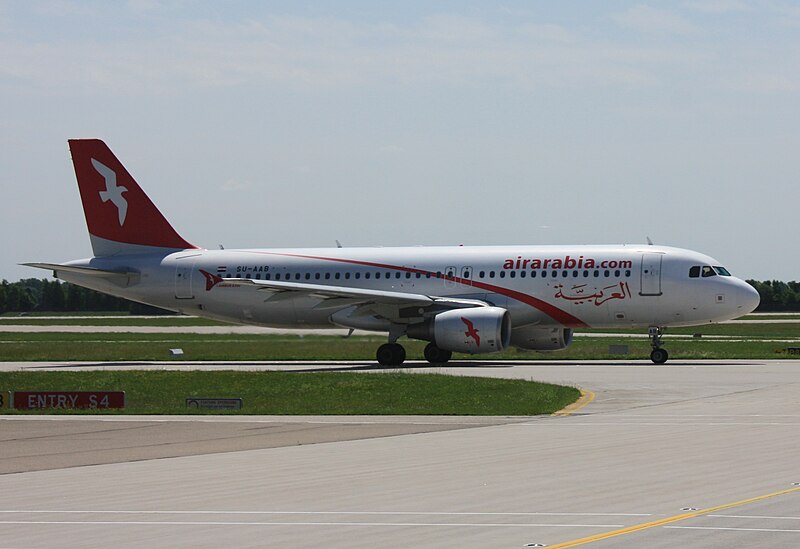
(537,338)
(475,330)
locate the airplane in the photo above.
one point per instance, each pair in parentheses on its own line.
(463,299)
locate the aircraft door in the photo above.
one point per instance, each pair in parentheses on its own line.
(651,274)
(183,279)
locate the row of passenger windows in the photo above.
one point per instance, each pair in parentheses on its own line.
(706,270)
(449,275)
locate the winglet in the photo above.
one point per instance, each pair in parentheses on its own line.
(120,216)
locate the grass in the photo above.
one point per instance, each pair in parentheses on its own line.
(743,329)
(52,346)
(115,320)
(321,393)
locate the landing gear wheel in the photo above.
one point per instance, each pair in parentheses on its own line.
(435,355)
(659,356)
(390,354)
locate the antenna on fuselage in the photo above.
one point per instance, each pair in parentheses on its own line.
(649,242)
(338,244)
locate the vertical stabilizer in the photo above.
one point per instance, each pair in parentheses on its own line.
(120,217)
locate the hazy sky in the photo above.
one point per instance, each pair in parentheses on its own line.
(272,124)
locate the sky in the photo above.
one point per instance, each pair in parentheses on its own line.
(296,124)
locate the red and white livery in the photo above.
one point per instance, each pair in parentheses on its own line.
(467,299)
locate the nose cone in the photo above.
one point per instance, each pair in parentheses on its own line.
(747,298)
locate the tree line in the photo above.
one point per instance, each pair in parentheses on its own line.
(42,295)
(53,296)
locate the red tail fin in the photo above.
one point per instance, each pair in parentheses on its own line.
(119,215)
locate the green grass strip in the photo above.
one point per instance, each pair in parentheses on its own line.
(111,347)
(319,393)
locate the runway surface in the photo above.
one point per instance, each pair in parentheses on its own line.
(683,455)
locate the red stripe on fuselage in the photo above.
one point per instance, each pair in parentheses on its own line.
(552,311)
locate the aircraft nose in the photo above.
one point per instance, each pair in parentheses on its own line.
(747,298)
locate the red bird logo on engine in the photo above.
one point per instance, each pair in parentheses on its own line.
(471,331)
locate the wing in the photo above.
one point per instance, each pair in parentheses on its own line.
(393,306)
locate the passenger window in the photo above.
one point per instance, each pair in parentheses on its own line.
(316,276)
(502,274)
(544,274)
(512,274)
(523,274)
(491,274)
(308,276)
(337,276)
(297,276)
(267,276)
(327,276)
(366,275)
(585,274)
(482,274)
(533,274)
(694,272)
(347,276)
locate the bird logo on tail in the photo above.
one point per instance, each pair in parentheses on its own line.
(112,192)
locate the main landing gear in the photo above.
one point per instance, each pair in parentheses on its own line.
(390,354)
(393,354)
(658,355)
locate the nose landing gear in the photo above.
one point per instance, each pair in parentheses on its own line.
(658,355)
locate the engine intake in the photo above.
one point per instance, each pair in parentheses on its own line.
(475,330)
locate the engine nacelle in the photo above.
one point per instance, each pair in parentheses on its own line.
(475,330)
(537,338)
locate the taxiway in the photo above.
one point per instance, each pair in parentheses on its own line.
(688,454)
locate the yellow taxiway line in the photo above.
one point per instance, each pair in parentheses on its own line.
(586,398)
(668,520)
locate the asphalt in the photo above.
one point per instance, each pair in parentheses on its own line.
(687,454)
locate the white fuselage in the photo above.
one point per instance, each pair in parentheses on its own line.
(571,286)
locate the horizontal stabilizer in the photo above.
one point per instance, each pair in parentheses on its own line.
(88,271)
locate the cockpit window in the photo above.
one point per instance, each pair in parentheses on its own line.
(708,271)
(694,272)
(721,271)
